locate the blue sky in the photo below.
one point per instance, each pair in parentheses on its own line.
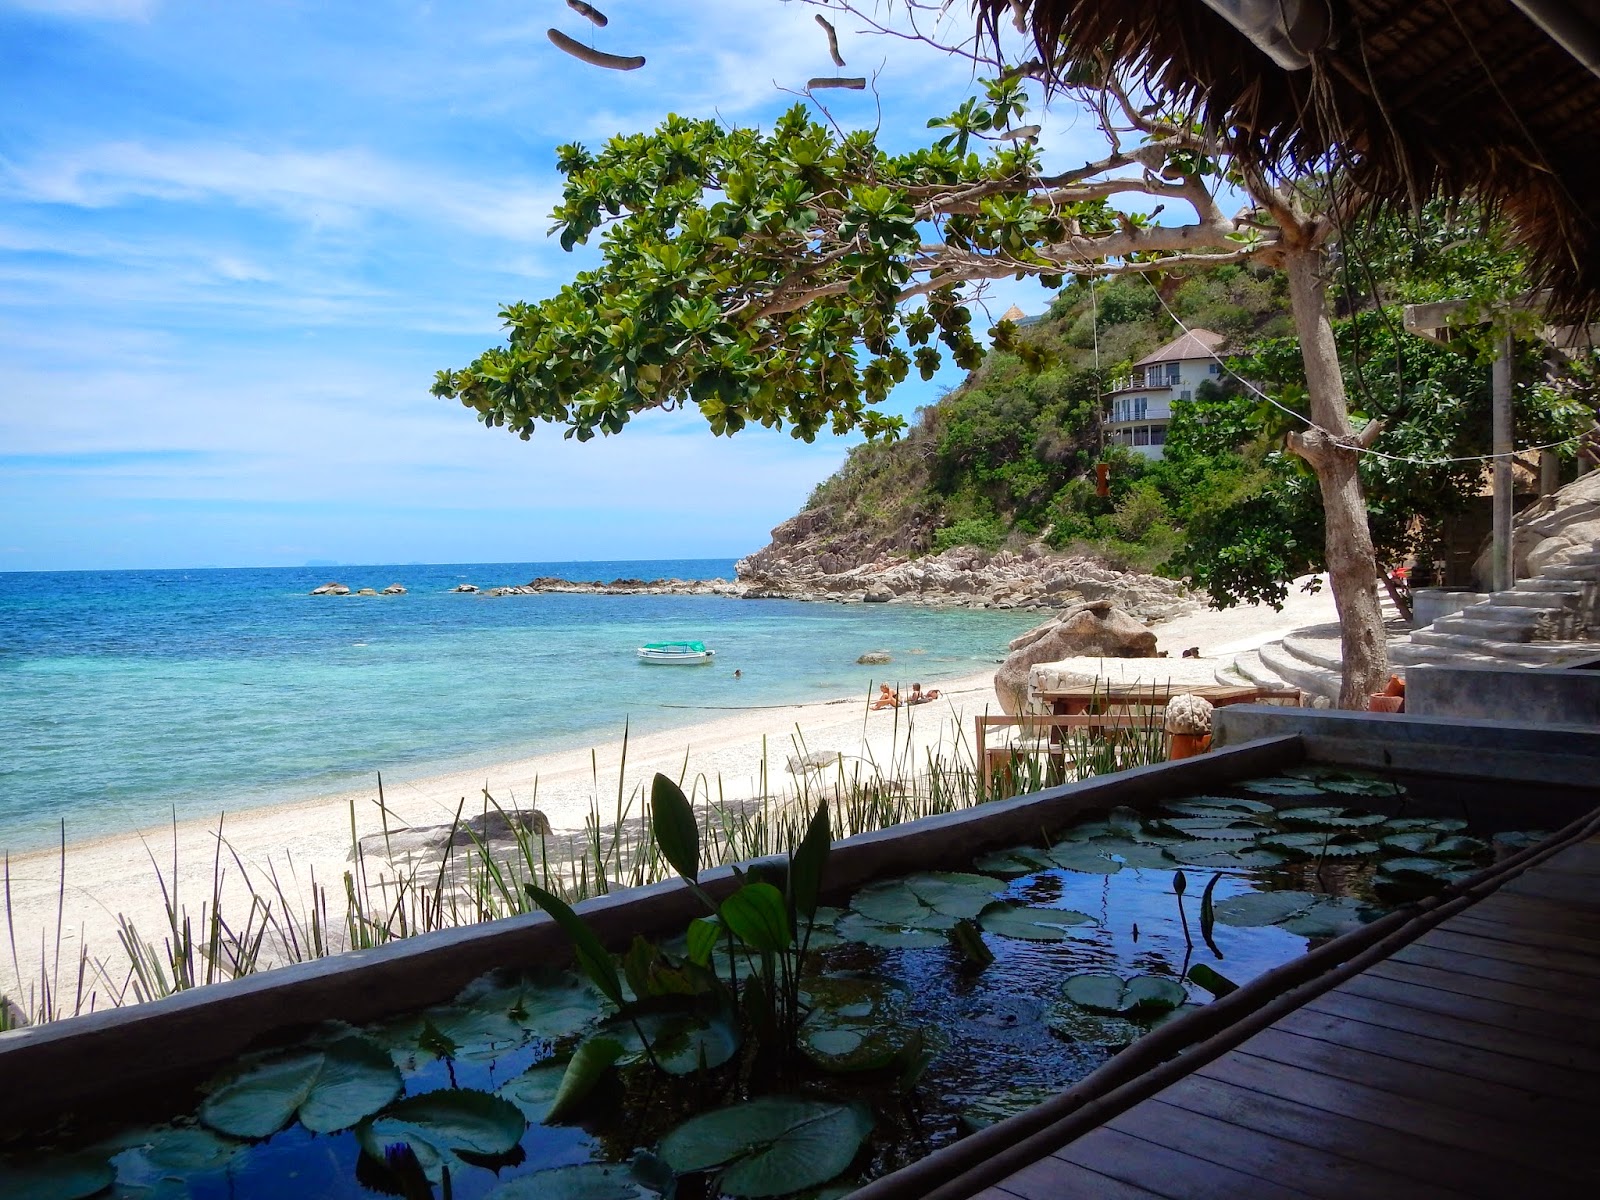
(238,239)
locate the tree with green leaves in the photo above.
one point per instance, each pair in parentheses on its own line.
(793,277)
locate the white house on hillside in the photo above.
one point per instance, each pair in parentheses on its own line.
(1141,402)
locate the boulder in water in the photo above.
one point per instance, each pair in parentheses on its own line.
(331,589)
(394,589)
(874,657)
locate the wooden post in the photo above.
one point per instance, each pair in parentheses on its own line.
(1549,472)
(1504,575)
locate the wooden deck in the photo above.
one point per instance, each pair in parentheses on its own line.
(1466,1064)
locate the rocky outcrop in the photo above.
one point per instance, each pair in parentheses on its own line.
(331,589)
(874,657)
(1550,532)
(623,587)
(465,587)
(963,576)
(394,589)
(500,831)
(1095,629)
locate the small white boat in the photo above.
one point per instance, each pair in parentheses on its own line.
(682,654)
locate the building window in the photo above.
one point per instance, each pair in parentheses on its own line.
(1186,395)
(1174,370)
(1141,436)
(1158,435)
(1140,407)
(1214,369)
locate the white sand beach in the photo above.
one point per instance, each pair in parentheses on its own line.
(310,839)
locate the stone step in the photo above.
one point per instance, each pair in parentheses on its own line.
(1492,631)
(1517,653)
(1512,614)
(1297,672)
(1584,558)
(1587,572)
(1249,669)
(1414,654)
(1568,587)
(1319,652)
(1555,600)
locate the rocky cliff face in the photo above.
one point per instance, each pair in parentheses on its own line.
(804,561)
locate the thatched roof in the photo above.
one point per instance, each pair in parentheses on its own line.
(1420,98)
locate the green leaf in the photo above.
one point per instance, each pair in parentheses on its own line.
(1329,818)
(1111,995)
(1008,864)
(549,1003)
(701,939)
(533,1090)
(770,1146)
(1282,785)
(1430,868)
(328,1088)
(810,860)
(1328,917)
(1089,858)
(683,1039)
(587,1067)
(439,1125)
(676,831)
(1073,1023)
(1208,914)
(1209,854)
(57,1177)
(1213,981)
(1224,828)
(1031,924)
(1215,806)
(984,1111)
(758,917)
(1252,909)
(853,927)
(933,900)
(857,1023)
(592,957)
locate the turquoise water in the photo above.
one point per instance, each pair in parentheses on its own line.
(127,694)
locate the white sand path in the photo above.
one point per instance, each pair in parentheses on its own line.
(310,839)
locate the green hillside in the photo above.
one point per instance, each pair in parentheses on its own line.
(1009,455)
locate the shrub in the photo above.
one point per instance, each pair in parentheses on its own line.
(985,533)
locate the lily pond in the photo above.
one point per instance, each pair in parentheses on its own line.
(778,1047)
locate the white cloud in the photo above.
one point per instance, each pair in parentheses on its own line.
(316,188)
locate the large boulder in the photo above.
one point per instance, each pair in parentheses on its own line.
(1098,629)
(1551,531)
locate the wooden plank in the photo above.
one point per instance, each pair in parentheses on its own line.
(1433,1170)
(1575,891)
(1339,1003)
(1053,1178)
(1313,1170)
(1500,1152)
(1165,1171)
(1470,924)
(1580,1034)
(1445,1055)
(1529,1104)
(1544,991)
(1544,922)
(1502,960)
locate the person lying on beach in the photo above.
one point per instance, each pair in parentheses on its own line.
(886,698)
(916,696)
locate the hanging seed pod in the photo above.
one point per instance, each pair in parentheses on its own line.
(590,11)
(595,58)
(857,84)
(833,39)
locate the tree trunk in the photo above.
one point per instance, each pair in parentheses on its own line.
(1352,566)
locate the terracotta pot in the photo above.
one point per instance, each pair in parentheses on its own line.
(1380,702)
(1187,745)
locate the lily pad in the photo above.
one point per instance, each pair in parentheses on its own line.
(856,1024)
(933,900)
(1328,917)
(984,1111)
(1347,782)
(770,1146)
(583,1181)
(1226,828)
(683,1040)
(58,1177)
(1032,924)
(1089,858)
(1282,785)
(440,1125)
(1440,825)
(329,1088)
(1429,868)
(534,1090)
(1113,996)
(1073,1023)
(550,1004)
(1329,818)
(1215,806)
(1139,855)
(1008,864)
(1215,857)
(1519,839)
(177,1150)
(853,927)
(1250,909)
(1456,846)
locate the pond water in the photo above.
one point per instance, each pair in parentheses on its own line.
(938,1003)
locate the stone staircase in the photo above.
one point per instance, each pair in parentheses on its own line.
(1549,618)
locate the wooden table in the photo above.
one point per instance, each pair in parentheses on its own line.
(1080,698)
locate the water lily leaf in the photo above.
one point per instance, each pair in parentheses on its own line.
(439,1125)
(1328,917)
(1282,785)
(1329,818)
(933,900)
(1457,846)
(1301,845)
(1251,909)
(1440,825)
(770,1146)
(588,1066)
(1008,864)
(1225,828)
(1215,806)
(1519,839)
(58,1177)
(1111,995)
(683,1036)
(1431,868)
(329,1088)
(1349,846)
(856,1024)
(1085,830)
(1125,820)
(1090,858)
(1408,843)
(853,927)
(1212,980)
(1031,924)
(1347,782)
(583,1181)
(1139,855)
(547,1003)
(983,1111)
(1211,855)
(533,1090)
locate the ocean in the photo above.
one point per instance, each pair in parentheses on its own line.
(126,696)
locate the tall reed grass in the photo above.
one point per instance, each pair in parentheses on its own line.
(381,898)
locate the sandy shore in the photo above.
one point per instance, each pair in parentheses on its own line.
(311,839)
